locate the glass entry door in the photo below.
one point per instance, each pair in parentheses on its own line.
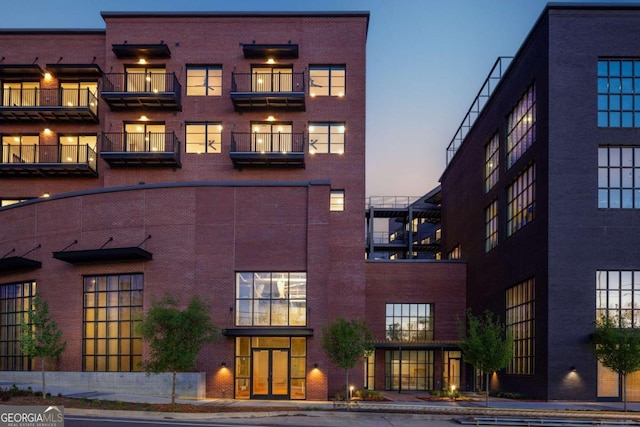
(270,374)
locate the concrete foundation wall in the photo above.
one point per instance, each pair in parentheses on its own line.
(190,385)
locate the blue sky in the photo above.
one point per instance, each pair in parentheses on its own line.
(426,61)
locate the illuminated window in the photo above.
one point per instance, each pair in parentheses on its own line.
(20,149)
(146,79)
(618,90)
(204,80)
(21,94)
(521,126)
(520,322)
(112,308)
(15,301)
(408,369)
(145,137)
(491,163)
(327,80)
(618,296)
(409,322)
(491,226)
(455,253)
(326,138)
(619,177)
(78,148)
(204,137)
(271,299)
(521,200)
(81,94)
(336,203)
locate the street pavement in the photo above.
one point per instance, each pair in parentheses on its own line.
(404,404)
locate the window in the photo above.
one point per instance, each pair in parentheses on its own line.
(271,299)
(145,137)
(204,137)
(409,322)
(78,148)
(204,80)
(521,200)
(6,202)
(619,177)
(491,226)
(327,80)
(272,79)
(15,301)
(326,138)
(618,296)
(618,93)
(20,148)
(20,94)
(76,94)
(337,201)
(455,253)
(491,163)
(520,322)
(408,369)
(272,137)
(112,307)
(521,126)
(141,79)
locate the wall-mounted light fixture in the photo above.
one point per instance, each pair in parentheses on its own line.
(315,365)
(223,364)
(572,368)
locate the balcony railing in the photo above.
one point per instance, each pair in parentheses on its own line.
(142,90)
(267,149)
(261,91)
(143,149)
(48,160)
(68,105)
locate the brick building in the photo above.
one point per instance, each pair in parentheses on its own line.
(212,154)
(540,197)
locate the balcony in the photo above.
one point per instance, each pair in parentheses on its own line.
(141,149)
(159,91)
(48,105)
(268,91)
(48,160)
(267,149)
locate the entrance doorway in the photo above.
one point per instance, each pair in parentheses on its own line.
(270,374)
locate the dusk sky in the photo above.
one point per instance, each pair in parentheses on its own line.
(426,61)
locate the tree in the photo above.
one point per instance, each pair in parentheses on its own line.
(486,344)
(617,346)
(40,336)
(345,343)
(175,336)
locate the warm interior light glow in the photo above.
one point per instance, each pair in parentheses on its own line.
(340,94)
(341,129)
(139,128)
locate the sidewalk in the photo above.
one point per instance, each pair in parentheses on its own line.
(410,403)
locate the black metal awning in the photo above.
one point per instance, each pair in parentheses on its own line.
(104,255)
(146,51)
(75,70)
(268,332)
(17,263)
(21,71)
(265,51)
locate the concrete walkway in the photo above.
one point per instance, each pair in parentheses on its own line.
(411,403)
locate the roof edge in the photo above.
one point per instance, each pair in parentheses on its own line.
(233,14)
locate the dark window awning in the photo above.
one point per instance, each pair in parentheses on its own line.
(103,255)
(20,71)
(75,70)
(146,51)
(17,263)
(415,345)
(265,51)
(268,332)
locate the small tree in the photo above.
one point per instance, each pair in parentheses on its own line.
(175,336)
(486,345)
(345,343)
(617,346)
(40,336)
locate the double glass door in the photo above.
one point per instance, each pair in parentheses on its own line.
(270,373)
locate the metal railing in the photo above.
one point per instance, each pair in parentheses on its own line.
(391,201)
(267,82)
(71,98)
(38,154)
(147,83)
(257,142)
(490,83)
(150,142)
